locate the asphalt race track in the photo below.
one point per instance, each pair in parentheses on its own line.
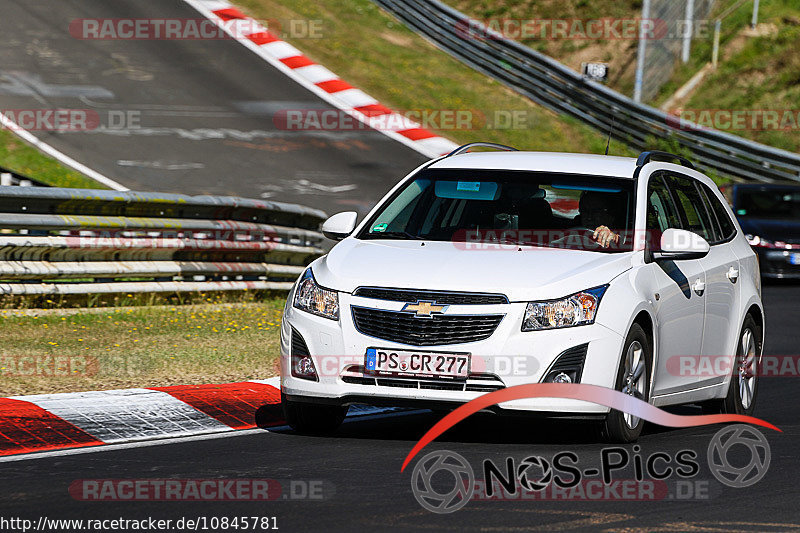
(363,488)
(201,111)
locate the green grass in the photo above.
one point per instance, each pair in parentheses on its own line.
(763,74)
(372,51)
(138,347)
(17,155)
(620,54)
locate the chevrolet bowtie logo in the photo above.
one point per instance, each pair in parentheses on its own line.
(425,309)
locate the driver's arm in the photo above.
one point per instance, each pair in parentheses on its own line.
(604,236)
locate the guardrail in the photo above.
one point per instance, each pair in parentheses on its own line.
(85,241)
(551,84)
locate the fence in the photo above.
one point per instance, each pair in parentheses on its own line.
(551,84)
(661,55)
(76,241)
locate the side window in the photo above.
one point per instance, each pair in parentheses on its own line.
(726,227)
(691,207)
(661,213)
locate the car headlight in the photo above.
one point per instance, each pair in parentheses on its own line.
(575,310)
(755,240)
(312,298)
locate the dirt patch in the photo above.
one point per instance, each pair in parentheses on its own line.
(399,40)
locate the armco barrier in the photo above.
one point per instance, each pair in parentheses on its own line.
(551,84)
(83,241)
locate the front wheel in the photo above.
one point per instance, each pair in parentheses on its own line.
(311,417)
(633,378)
(741,397)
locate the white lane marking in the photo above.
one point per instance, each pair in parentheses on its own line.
(28,137)
(29,84)
(160,165)
(125,415)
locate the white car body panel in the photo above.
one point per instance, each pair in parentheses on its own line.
(682,325)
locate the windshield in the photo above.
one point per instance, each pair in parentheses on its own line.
(768,203)
(527,208)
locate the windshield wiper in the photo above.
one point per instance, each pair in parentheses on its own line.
(393,235)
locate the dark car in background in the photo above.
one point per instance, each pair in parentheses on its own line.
(769,215)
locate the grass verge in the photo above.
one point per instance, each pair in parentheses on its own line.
(77,350)
(19,156)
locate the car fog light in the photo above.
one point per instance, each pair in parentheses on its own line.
(562,378)
(303,367)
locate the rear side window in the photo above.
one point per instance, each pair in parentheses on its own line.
(691,207)
(726,229)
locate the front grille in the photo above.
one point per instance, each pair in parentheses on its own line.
(440,297)
(406,328)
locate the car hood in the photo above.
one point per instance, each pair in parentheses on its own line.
(522,275)
(772,229)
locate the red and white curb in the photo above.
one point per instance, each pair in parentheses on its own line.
(49,422)
(319,80)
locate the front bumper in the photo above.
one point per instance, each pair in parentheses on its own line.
(508,357)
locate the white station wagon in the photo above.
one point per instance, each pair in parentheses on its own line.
(484,270)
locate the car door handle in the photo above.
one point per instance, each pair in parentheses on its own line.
(699,287)
(733,274)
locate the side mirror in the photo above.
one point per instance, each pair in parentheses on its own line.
(340,225)
(677,244)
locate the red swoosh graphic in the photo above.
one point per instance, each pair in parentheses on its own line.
(574,391)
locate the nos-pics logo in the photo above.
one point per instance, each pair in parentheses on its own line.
(444,482)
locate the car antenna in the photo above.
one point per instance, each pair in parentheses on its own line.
(610,131)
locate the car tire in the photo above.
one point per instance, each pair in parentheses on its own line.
(743,386)
(620,427)
(313,418)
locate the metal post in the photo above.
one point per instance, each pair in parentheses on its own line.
(755,15)
(715,53)
(637,87)
(688,30)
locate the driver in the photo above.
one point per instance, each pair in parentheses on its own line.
(596,211)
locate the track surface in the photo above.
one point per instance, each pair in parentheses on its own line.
(362,461)
(204,110)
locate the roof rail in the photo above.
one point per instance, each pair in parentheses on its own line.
(646,157)
(466,148)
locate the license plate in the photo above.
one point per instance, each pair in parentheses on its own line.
(390,362)
(794,259)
